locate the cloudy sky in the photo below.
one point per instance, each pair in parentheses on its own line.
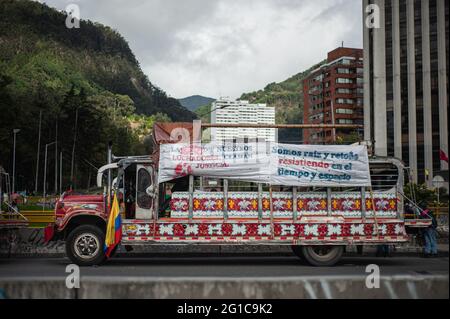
(226,47)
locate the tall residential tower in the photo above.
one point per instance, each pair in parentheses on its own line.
(228,111)
(333,94)
(406,82)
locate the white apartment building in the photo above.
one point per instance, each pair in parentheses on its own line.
(230,111)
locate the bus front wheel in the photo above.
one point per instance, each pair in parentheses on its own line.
(322,256)
(84,245)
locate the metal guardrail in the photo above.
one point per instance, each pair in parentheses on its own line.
(439,210)
(12,214)
(39,217)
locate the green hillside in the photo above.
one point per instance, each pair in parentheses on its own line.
(287,98)
(90,72)
(195,101)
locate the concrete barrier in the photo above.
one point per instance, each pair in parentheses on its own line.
(332,287)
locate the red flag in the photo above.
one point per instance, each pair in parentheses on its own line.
(443,156)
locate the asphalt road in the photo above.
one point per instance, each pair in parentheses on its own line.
(226,266)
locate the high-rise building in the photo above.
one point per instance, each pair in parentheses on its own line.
(406,82)
(333,94)
(228,111)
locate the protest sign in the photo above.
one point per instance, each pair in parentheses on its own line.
(271,163)
(248,162)
(319,165)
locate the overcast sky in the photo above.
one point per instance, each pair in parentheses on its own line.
(226,47)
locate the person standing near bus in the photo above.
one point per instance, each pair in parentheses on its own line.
(429,233)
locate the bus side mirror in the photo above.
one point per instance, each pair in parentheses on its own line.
(150,190)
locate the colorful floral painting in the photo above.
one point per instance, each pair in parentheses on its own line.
(265,231)
(245,205)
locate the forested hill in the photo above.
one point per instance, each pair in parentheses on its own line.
(98,55)
(287,98)
(88,86)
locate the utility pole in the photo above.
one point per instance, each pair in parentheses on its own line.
(109,161)
(45,171)
(73,149)
(89,180)
(56,157)
(15,131)
(60,172)
(45,168)
(38,153)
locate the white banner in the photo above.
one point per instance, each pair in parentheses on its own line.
(271,163)
(248,162)
(319,165)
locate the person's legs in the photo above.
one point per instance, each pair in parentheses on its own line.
(433,242)
(359,249)
(379,252)
(426,237)
(382,250)
(387,251)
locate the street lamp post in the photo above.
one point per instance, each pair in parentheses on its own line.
(45,168)
(15,131)
(38,153)
(56,158)
(73,149)
(60,172)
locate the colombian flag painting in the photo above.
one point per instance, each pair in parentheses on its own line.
(114,228)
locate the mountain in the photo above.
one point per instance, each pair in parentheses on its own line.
(287,98)
(36,43)
(193,102)
(85,82)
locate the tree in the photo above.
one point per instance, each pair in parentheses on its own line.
(421,193)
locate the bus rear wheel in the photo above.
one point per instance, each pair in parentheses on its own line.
(322,256)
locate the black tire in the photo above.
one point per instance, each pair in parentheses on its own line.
(77,240)
(297,250)
(322,256)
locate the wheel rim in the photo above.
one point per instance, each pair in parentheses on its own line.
(323,252)
(86,246)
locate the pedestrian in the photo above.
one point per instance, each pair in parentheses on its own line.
(429,233)
(15,206)
(360,250)
(383,251)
